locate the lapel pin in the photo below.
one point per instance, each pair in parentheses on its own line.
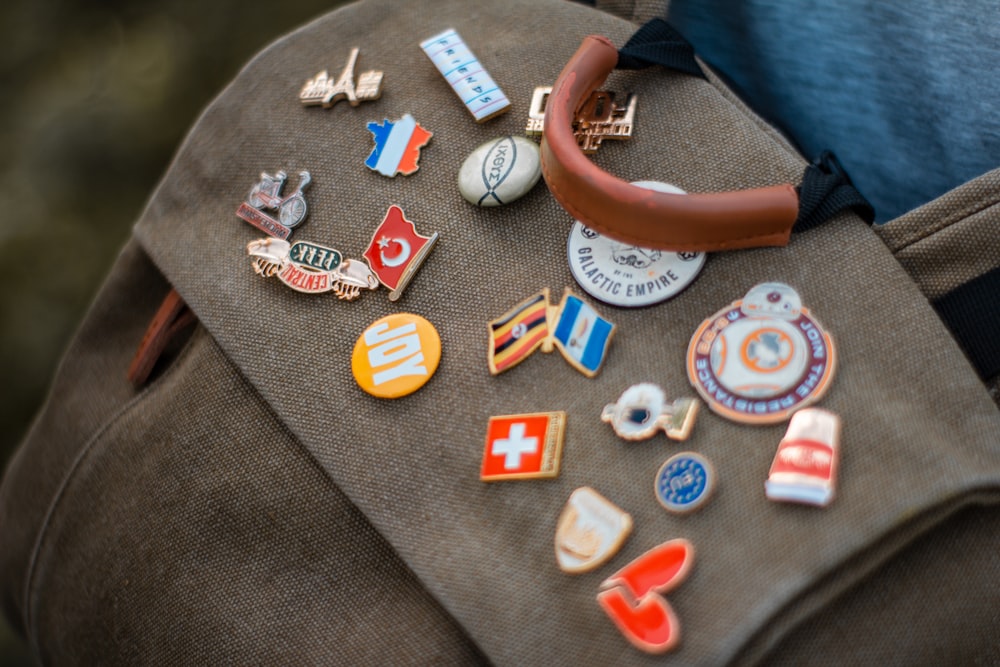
(396,251)
(633,597)
(804,469)
(466,76)
(323,90)
(396,355)
(266,195)
(642,410)
(573,327)
(582,335)
(525,446)
(598,119)
(310,268)
(397,146)
(685,482)
(626,275)
(762,358)
(590,531)
(516,334)
(500,171)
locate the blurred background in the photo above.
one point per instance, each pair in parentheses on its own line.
(96,97)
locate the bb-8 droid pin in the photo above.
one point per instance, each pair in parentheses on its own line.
(761,358)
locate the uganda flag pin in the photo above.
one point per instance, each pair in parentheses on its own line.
(574,327)
(516,334)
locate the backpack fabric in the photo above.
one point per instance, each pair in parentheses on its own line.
(251,504)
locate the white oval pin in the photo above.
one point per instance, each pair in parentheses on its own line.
(500,171)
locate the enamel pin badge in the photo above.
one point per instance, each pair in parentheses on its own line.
(633,597)
(627,275)
(466,76)
(323,90)
(500,171)
(396,251)
(516,334)
(526,446)
(762,358)
(397,146)
(643,409)
(804,469)
(598,119)
(573,327)
(396,355)
(684,482)
(590,531)
(266,195)
(310,268)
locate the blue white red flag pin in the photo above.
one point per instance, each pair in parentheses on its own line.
(804,469)
(396,251)
(310,268)
(684,482)
(590,531)
(466,76)
(643,409)
(323,90)
(580,334)
(397,146)
(525,446)
(762,358)
(266,195)
(633,597)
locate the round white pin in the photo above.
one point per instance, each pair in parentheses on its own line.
(625,275)
(500,171)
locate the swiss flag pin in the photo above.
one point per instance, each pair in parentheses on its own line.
(525,446)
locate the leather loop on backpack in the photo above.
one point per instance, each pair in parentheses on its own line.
(611,206)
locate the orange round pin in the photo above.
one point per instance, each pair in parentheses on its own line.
(396,355)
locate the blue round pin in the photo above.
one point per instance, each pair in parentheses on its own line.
(685,482)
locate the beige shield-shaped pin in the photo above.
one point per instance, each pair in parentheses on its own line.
(591,529)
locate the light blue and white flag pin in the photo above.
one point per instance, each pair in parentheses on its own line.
(582,335)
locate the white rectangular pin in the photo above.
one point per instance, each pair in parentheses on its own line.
(462,70)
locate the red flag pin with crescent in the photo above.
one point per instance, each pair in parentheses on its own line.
(396,251)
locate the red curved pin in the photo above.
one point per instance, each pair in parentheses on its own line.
(632,596)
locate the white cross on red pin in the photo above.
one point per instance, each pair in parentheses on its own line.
(514,445)
(523,446)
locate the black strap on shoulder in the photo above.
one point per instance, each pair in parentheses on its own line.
(658,43)
(972,312)
(826,188)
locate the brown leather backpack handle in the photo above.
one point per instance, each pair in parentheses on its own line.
(611,206)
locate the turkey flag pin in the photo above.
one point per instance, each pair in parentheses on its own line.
(396,251)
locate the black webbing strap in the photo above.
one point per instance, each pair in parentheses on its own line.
(972,312)
(658,43)
(826,188)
